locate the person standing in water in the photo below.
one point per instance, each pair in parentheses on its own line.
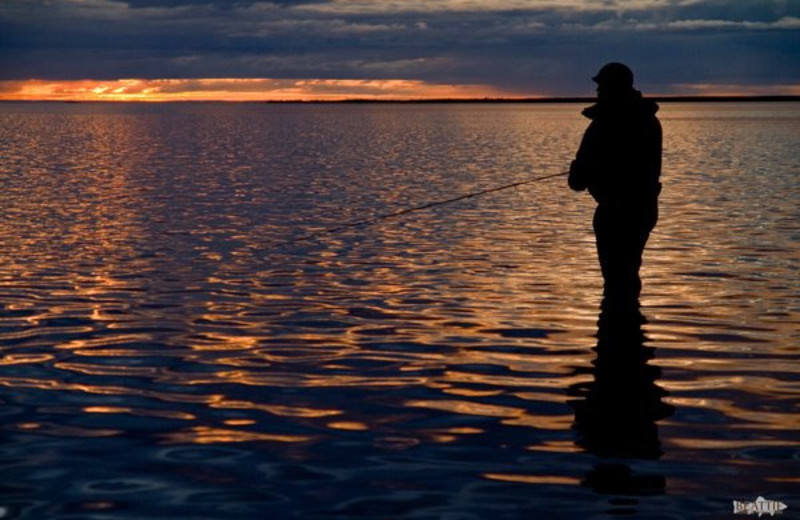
(619,162)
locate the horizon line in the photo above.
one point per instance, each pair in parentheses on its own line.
(368,100)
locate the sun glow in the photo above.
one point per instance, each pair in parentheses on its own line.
(237,89)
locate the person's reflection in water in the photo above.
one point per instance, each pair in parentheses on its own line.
(616,415)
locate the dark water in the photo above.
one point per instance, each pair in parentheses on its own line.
(164,353)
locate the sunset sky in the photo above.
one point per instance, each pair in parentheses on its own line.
(335,49)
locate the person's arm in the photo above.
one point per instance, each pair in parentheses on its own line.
(577,177)
(581,169)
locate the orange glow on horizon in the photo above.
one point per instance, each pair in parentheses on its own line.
(238,89)
(262,89)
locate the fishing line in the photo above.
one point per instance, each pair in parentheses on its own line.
(387,216)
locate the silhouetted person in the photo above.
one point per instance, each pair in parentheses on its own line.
(616,413)
(619,161)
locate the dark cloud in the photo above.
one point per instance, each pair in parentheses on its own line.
(218,4)
(552,47)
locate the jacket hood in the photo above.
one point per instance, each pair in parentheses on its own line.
(633,105)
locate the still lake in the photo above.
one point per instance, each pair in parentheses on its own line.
(170,350)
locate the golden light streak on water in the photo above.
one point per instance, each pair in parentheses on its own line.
(203,435)
(534,479)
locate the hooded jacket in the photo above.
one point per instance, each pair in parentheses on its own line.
(619,159)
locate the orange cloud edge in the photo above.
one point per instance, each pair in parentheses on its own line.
(238,89)
(264,89)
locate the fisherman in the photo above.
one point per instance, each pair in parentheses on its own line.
(619,161)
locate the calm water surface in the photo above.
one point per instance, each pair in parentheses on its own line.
(167,351)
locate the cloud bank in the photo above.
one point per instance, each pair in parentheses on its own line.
(515,47)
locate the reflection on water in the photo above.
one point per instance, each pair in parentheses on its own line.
(617,416)
(162,357)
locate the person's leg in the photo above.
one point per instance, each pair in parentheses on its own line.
(610,245)
(621,237)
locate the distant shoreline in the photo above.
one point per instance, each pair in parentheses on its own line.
(576,99)
(534,100)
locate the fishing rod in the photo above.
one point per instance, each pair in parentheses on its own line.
(414,209)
